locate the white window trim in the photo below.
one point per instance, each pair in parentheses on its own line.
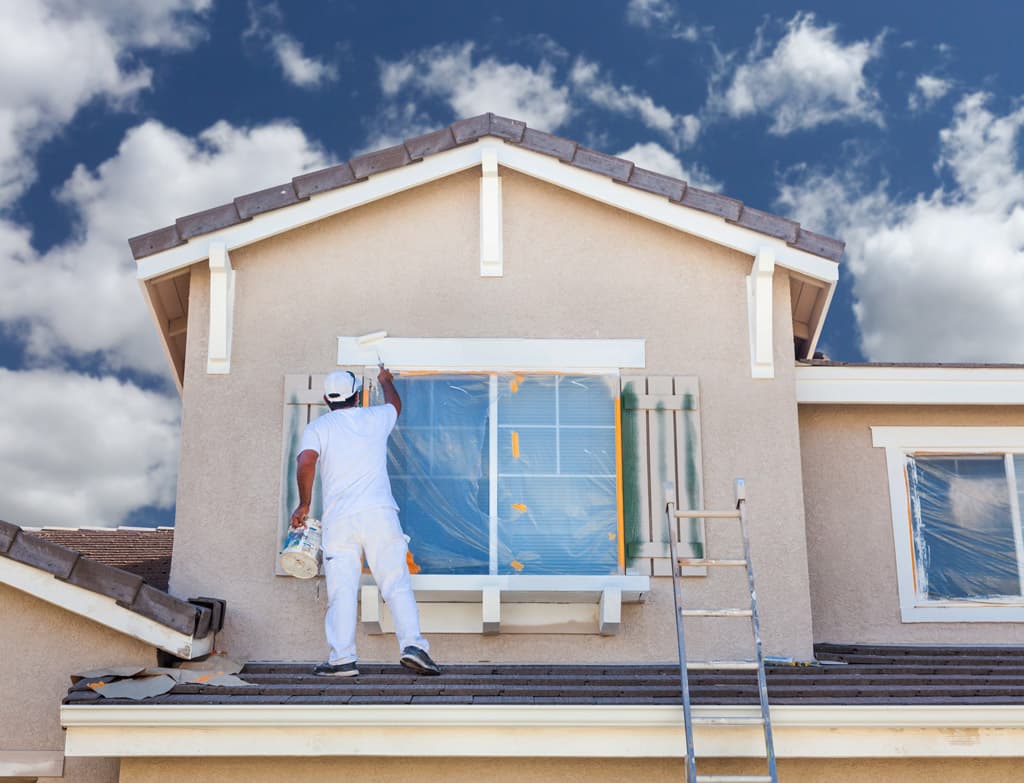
(899,442)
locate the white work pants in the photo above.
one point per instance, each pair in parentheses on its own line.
(378,533)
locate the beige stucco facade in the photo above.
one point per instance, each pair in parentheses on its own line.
(410,264)
(40,646)
(850,543)
(528,770)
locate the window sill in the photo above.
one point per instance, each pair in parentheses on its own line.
(964,612)
(485,604)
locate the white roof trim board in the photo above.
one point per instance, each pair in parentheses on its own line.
(801,731)
(893,385)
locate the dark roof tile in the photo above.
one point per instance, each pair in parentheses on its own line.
(155,241)
(325,179)
(471,128)
(430,143)
(165,609)
(208,220)
(549,144)
(142,551)
(766,223)
(506,128)
(819,244)
(266,200)
(659,184)
(102,578)
(381,160)
(599,163)
(46,555)
(716,204)
(7,534)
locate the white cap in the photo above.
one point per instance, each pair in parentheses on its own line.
(340,385)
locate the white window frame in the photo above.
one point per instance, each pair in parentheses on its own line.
(901,442)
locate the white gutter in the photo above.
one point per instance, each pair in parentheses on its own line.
(591,731)
(910,385)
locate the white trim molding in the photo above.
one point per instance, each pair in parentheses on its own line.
(552,731)
(494,354)
(31,764)
(760,313)
(491,250)
(870,385)
(899,443)
(100,609)
(222,306)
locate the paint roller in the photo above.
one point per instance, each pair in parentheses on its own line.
(369,339)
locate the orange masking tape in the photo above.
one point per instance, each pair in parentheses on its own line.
(519,506)
(517,565)
(515,444)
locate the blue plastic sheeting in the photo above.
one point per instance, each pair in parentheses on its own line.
(554,510)
(965,543)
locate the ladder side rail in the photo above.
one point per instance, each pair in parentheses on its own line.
(762,680)
(677,602)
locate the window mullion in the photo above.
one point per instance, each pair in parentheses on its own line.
(1018,534)
(492,469)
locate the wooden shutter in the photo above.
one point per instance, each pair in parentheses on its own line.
(660,443)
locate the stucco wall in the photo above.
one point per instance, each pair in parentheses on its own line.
(850,544)
(410,264)
(40,646)
(526,770)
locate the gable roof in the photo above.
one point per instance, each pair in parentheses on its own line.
(106,594)
(463,132)
(143,551)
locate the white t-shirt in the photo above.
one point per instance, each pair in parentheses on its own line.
(353,463)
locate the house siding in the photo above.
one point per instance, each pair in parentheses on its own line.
(410,264)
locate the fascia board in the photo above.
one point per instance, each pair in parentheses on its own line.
(910,385)
(100,609)
(809,731)
(540,166)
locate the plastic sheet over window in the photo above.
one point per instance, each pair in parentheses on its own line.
(965,519)
(554,505)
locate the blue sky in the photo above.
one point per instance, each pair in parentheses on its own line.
(895,126)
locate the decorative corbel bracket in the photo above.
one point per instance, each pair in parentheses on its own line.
(490,216)
(759,314)
(222,306)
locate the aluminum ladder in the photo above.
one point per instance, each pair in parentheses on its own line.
(686,666)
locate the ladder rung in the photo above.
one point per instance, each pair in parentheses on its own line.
(706,514)
(734,779)
(717,613)
(726,720)
(746,665)
(696,561)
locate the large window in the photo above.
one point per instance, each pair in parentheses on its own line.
(957,495)
(503,473)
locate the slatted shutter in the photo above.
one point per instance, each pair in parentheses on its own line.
(660,443)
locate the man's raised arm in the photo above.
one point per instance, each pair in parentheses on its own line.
(387,385)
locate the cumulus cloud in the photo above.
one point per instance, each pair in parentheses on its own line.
(469,87)
(659,15)
(81,297)
(809,78)
(592,86)
(927,90)
(652,156)
(265,22)
(78,450)
(940,276)
(67,54)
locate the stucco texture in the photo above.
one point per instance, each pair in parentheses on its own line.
(41,645)
(851,551)
(410,264)
(527,770)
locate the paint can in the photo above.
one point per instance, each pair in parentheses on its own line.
(301,554)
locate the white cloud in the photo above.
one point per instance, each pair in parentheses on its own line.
(939,277)
(60,55)
(265,23)
(808,79)
(81,297)
(927,90)
(659,15)
(588,81)
(652,156)
(77,450)
(470,88)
